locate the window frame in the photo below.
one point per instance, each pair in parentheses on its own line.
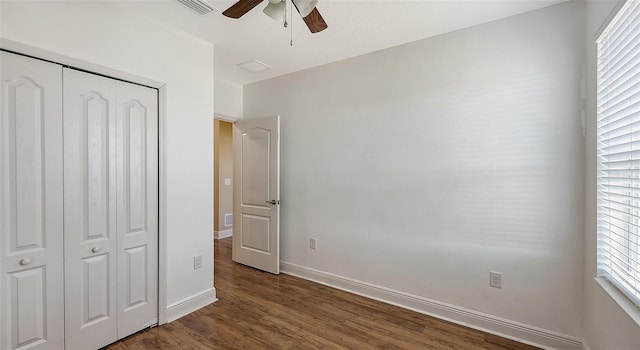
(615,292)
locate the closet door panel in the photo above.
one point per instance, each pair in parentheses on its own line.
(90,215)
(137,207)
(28,308)
(31,199)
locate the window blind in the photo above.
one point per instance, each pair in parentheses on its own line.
(618,142)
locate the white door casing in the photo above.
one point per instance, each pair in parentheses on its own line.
(137,193)
(31,198)
(256,236)
(90,216)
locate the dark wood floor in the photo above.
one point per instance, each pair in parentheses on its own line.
(257,310)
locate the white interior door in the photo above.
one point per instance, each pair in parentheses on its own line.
(31,227)
(90,210)
(256,230)
(137,184)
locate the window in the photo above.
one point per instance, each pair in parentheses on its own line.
(619,151)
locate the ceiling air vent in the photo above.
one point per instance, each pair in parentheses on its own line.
(200,6)
(254,66)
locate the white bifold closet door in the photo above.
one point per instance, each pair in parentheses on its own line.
(110,209)
(31,199)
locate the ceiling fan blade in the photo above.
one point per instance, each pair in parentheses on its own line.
(315,22)
(240,8)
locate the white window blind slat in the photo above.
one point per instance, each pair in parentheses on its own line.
(623,270)
(628,183)
(621,236)
(621,239)
(616,148)
(620,42)
(629,109)
(621,156)
(612,78)
(631,127)
(621,196)
(618,153)
(624,261)
(633,137)
(618,32)
(618,174)
(621,164)
(614,73)
(618,86)
(612,208)
(619,106)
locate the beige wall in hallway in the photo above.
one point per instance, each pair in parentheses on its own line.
(223,150)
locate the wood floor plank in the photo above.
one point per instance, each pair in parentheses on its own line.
(258,310)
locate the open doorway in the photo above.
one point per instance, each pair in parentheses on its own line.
(247,152)
(223,177)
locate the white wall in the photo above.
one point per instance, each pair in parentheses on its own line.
(228,99)
(106,34)
(606,325)
(422,167)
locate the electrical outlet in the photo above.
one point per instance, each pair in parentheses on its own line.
(197,262)
(495,279)
(313,243)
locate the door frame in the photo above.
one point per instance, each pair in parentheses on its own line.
(232,120)
(225,118)
(53,57)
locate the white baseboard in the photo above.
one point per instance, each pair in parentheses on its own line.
(523,333)
(223,234)
(190,304)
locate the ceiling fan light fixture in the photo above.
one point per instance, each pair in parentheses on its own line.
(275,10)
(305,6)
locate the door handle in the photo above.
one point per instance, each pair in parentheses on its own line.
(25,261)
(95,249)
(273,202)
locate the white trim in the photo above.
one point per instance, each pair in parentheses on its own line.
(621,299)
(513,330)
(46,55)
(226,118)
(42,54)
(190,304)
(162,206)
(222,234)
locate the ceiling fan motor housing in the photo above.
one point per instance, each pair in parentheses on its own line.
(276,9)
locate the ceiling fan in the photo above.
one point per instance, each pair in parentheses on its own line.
(276,10)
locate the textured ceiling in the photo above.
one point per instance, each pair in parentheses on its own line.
(356,27)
